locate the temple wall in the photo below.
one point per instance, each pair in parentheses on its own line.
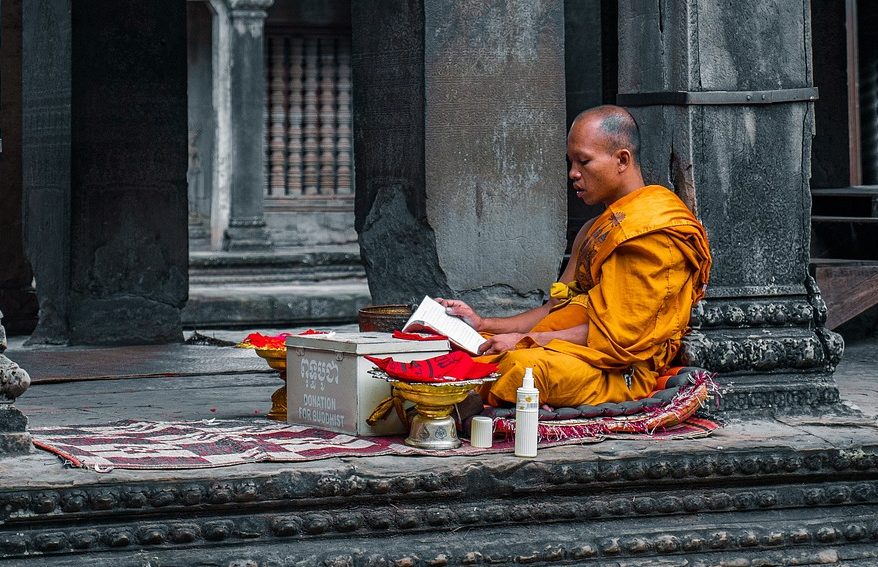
(105,165)
(459,146)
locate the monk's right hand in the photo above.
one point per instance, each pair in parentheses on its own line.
(460,309)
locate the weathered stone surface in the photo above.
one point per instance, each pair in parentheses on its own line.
(459,142)
(105,169)
(750,503)
(744,170)
(246,229)
(16,296)
(13,382)
(46,116)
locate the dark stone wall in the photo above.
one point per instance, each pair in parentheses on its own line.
(589,55)
(830,166)
(46,115)
(387,63)
(318,13)
(17,300)
(459,146)
(107,209)
(129,235)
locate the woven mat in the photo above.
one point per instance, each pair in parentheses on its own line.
(218,443)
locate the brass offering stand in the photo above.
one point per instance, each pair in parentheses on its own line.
(277,359)
(432,428)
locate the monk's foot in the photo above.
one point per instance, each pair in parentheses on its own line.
(465,411)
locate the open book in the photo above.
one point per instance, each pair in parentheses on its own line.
(430,316)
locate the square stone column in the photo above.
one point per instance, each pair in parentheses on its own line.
(104,159)
(246,229)
(459,143)
(724,97)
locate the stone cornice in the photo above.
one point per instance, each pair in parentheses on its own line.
(249,5)
(330,487)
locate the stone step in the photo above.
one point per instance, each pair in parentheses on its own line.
(758,494)
(860,201)
(330,263)
(274,305)
(844,237)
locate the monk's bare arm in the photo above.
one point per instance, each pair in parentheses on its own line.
(507,341)
(577,335)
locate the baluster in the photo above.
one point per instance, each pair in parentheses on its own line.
(277,143)
(327,116)
(343,120)
(266,126)
(310,118)
(294,135)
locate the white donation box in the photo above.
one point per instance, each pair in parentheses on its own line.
(328,385)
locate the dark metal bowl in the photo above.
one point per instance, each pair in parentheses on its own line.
(383,318)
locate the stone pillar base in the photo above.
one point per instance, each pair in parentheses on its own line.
(245,235)
(14,438)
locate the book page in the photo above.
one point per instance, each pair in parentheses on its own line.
(430,315)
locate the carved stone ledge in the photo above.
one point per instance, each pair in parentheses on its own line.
(333,488)
(563,540)
(740,313)
(773,350)
(377,520)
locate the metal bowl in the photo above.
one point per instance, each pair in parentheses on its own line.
(383,318)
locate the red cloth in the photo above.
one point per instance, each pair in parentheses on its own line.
(451,367)
(418,336)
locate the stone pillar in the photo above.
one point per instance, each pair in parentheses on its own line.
(723,96)
(459,148)
(105,156)
(13,424)
(17,298)
(246,229)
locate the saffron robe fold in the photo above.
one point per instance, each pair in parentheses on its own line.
(644,262)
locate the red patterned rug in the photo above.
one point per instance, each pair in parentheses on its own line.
(219,443)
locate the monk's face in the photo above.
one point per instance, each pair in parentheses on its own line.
(594,166)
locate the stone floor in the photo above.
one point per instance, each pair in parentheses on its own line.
(181,382)
(786,491)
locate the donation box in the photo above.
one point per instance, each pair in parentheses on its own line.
(328,385)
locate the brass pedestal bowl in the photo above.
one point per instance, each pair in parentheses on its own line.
(432,428)
(277,359)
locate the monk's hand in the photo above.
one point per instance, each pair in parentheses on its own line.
(500,343)
(460,309)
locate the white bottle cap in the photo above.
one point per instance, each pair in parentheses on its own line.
(482,432)
(528,381)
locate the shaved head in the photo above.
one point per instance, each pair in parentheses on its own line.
(618,126)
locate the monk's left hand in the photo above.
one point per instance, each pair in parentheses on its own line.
(501,343)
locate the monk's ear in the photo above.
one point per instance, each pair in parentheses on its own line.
(623,159)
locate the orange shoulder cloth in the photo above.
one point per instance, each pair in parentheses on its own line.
(649,209)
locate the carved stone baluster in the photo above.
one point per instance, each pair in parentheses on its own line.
(343,120)
(294,115)
(327,116)
(277,141)
(266,126)
(14,437)
(310,118)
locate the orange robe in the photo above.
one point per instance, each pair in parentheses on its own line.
(643,264)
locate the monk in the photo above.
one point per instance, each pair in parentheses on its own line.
(616,317)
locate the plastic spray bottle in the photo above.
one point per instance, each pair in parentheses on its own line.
(526,416)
